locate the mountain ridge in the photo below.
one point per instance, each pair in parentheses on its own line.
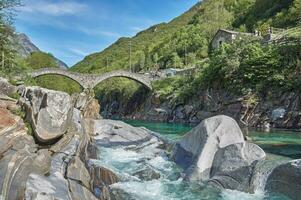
(25,47)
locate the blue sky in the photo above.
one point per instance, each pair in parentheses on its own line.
(72,29)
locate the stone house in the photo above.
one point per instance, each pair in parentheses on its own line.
(226,36)
(170,72)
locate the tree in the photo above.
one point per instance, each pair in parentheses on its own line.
(175,61)
(39,60)
(7,33)
(191,59)
(156,59)
(141,60)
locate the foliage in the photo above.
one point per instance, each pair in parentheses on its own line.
(185,40)
(144,42)
(38,60)
(115,91)
(57,82)
(7,52)
(15,95)
(246,68)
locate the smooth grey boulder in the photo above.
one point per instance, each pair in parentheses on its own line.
(215,151)
(233,166)
(48,111)
(195,152)
(286,179)
(112,133)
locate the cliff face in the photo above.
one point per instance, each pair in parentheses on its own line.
(279,110)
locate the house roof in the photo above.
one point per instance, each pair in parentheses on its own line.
(233,32)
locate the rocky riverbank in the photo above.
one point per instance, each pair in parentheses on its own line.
(50,144)
(45,148)
(278,110)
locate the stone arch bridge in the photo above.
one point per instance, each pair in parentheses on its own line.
(89,81)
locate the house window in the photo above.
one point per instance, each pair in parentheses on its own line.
(220,43)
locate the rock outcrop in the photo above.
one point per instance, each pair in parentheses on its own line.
(276,109)
(6,88)
(110,133)
(285,179)
(25,47)
(62,169)
(49,112)
(215,151)
(19,155)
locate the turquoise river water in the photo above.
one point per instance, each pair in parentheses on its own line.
(134,162)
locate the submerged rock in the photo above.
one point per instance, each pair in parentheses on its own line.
(48,112)
(286,179)
(215,151)
(147,174)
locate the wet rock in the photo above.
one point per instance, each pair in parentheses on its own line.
(215,151)
(48,112)
(147,174)
(285,179)
(103,176)
(112,133)
(196,150)
(233,166)
(118,194)
(105,194)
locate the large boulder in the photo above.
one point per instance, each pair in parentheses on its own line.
(49,112)
(215,151)
(196,150)
(233,166)
(113,133)
(285,179)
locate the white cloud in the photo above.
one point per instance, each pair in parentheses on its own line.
(97,32)
(53,9)
(79,52)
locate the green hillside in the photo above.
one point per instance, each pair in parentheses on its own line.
(185,40)
(117,54)
(38,60)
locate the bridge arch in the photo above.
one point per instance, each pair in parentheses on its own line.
(51,71)
(142,79)
(89,81)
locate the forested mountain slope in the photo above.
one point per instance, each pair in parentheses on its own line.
(185,40)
